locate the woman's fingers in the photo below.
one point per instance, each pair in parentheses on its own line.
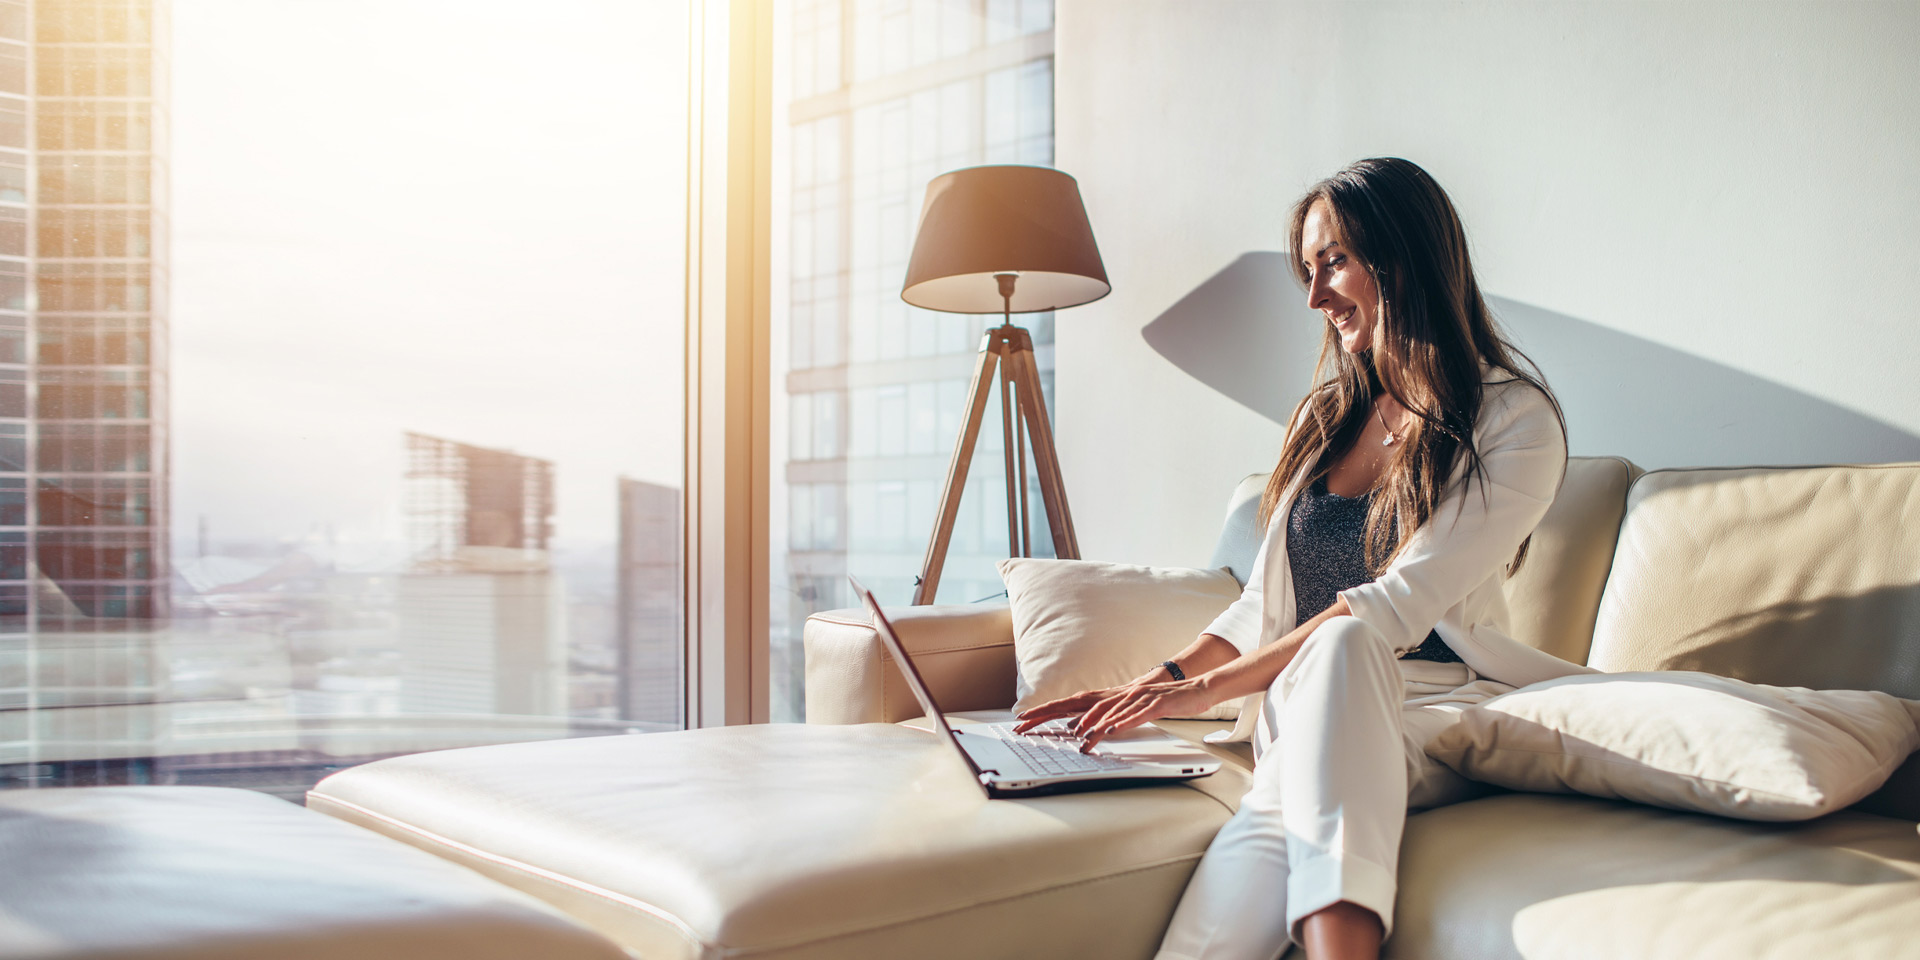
(1054,709)
(1121,721)
(1037,716)
(1068,704)
(1098,715)
(1092,716)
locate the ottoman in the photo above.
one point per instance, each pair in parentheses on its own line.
(206,872)
(799,841)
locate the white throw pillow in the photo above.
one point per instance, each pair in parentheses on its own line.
(1083,625)
(1688,741)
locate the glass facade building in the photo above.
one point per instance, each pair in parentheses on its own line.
(83,336)
(86,347)
(884,95)
(650,660)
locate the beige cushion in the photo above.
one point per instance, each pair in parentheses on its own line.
(1688,741)
(144,873)
(1552,601)
(1800,577)
(1085,625)
(1572,878)
(787,840)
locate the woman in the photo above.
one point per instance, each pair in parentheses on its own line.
(1365,643)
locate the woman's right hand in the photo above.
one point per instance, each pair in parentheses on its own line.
(1071,706)
(1079,703)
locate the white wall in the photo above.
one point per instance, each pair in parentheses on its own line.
(1703,219)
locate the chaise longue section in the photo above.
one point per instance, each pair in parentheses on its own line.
(797,841)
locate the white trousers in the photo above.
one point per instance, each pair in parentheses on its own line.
(1341,758)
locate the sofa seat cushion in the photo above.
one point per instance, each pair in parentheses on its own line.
(796,841)
(1548,877)
(142,873)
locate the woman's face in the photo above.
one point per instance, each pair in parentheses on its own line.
(1338,286)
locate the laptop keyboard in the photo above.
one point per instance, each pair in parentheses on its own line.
(1058,756)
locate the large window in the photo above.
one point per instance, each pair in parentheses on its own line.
(341,382)
(879,97)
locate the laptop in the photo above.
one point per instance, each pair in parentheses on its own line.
(1047,759)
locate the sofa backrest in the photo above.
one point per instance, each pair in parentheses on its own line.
(1803,576)
(1240,534)
(1551,602)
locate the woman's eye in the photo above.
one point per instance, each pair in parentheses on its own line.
(1336,260)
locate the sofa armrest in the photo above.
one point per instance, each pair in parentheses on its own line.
(964,652)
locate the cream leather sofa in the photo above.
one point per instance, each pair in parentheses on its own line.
(216,873)
(855,835)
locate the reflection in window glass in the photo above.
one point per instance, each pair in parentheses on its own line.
(13,123)
(13,68)
(800,420)
(13,178)
(881,98)
(340,510)
(826,425)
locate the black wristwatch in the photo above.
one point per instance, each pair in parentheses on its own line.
(1174,669)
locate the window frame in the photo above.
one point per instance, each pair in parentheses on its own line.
(728,371)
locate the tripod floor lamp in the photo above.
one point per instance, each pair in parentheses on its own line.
(1005,240)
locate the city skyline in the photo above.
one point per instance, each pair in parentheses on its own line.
(361,256)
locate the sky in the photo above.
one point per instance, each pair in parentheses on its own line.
(458,217)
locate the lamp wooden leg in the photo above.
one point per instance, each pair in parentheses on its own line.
(1053,492)
(985,371)
(1008,448)
(1020,445)
(1006,359)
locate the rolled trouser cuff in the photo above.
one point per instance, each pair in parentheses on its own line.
(1320,882)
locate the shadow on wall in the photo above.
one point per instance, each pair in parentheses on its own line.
(1248,333)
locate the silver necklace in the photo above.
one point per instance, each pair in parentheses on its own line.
(1392,437)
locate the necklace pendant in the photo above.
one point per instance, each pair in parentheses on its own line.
(1388,442)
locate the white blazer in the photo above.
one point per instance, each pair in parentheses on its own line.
(1448,575)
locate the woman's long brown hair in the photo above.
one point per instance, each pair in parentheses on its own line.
(1433,335)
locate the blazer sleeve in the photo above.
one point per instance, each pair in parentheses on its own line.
(1479,525)
(1239,624)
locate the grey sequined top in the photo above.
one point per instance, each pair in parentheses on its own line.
(1326,554)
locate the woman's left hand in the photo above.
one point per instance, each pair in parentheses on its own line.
(1136,704)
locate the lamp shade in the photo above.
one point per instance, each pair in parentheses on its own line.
(982,221)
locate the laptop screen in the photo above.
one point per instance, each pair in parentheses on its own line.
(884,628)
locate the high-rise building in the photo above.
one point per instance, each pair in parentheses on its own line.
(83,380)
(481,611)
(83,425)
(480,641)
(650,655)
(459,496)
(884,97)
